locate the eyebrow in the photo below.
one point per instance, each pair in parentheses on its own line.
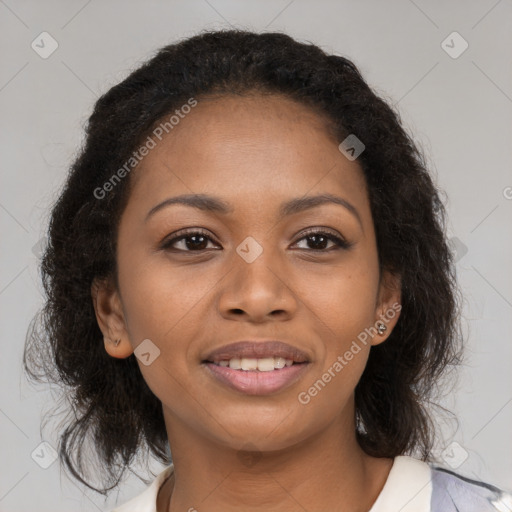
(212,204)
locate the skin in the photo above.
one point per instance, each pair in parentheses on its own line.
(233,451)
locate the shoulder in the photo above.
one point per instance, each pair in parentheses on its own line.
(146,501)
(452,492)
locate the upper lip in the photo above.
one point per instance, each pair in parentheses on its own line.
(257,350)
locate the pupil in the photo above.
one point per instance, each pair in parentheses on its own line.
(196,244)
(318,239)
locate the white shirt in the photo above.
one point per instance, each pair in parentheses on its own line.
(408,488)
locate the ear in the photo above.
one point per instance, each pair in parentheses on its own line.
(110,318)
(388,305)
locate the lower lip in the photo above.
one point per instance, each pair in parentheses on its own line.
(254,382)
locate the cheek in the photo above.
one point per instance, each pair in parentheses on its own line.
(159,298)
(158,306)
(343,305)
(343,299)
(344,353)
(163,304)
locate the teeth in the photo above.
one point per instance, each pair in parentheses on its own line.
(265,364)
(235,364)
(279,362)
(249,364)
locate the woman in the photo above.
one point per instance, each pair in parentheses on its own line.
(248,267)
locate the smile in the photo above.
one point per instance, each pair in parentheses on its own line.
(253,381)
(265,364)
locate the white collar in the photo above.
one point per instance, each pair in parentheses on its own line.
(146,501)
(408,487)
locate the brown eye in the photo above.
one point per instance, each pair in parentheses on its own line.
(319,240)
(190,241)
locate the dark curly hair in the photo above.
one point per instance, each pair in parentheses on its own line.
(112,406)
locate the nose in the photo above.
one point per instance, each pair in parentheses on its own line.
(258,291)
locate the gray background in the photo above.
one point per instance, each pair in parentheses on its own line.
(458,108)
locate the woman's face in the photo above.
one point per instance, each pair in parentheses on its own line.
(251,274)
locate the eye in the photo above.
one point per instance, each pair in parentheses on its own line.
(192,240)
(319,238)
(196,240)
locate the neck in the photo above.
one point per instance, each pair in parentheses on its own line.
(328,471)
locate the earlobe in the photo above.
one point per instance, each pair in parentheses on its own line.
(388,306)
(382,331)
(118,348)
(110,318)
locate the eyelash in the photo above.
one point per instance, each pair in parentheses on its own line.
(340,243)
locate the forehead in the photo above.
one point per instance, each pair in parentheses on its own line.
(248,148)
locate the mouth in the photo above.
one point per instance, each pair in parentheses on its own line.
(242,355)
(264,364)
(257,368)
